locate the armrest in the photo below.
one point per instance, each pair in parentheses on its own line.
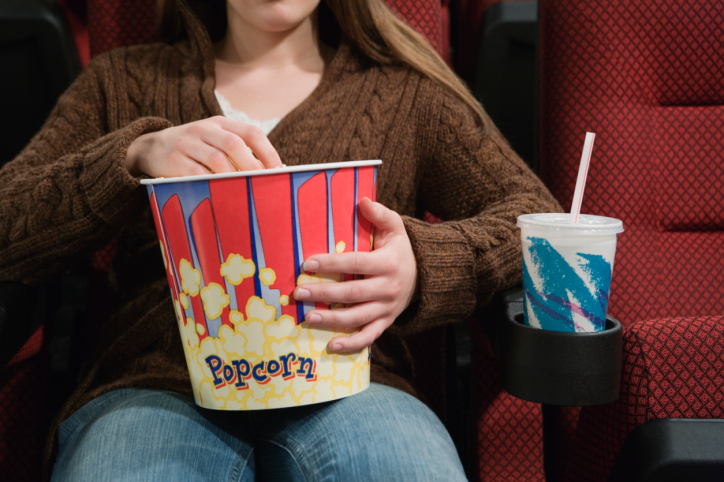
(672,450)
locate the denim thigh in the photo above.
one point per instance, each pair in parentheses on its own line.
(379,434)
(148,435)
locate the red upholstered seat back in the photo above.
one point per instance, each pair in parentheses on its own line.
(648,78)
(116,23)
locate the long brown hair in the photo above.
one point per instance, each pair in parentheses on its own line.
(369,24)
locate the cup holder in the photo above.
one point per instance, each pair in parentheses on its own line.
(556,368)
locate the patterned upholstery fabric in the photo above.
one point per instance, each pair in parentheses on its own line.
(22,424)
(115,23)
(509,430)
(673,368)
(641,75)
(426,16)
(647,78)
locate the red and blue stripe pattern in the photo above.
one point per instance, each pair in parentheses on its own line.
(276,220)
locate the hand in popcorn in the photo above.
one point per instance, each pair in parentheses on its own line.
(386,290)
(212,145)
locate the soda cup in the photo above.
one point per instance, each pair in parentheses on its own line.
(233,247)
(567,270)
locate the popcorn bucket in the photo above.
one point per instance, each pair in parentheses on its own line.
(233,246)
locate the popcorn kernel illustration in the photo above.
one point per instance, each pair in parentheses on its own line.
(184,300)
(267,276)
(256,308)
(284,300)
(190,277)
(236,268)
(232,341)
(236,317)
(191,336)
(177,310)
(200,329)
(340,247)
(215,300)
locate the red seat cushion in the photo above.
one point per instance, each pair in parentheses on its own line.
(672,368)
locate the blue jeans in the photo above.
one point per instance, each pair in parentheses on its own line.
(145,435)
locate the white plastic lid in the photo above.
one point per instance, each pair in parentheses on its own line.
(587,225)
(264,172)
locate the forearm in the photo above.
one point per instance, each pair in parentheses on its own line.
(50,214)
(479,186)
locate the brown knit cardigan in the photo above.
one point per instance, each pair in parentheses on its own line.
(68,194)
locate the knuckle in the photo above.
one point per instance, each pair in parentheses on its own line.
(367,317)
(328,316)
(318,291)
(217,160)
(354,292)
(232,143)
(390,291)
(180,144)
(357,263)
(196,129)
(197,171)
(254,132)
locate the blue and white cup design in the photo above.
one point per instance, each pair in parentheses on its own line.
(567,271)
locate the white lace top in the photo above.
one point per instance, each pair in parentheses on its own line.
(237,115)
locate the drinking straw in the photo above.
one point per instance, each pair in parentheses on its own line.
(582,175)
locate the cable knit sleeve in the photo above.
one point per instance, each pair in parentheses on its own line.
(478,186)
(68,191)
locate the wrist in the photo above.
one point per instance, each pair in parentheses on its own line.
(134,153)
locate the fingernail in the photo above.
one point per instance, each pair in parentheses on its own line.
(336,346)
(311,265)
(314,318)
(301,294)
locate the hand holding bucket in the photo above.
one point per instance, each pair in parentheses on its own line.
(390,276)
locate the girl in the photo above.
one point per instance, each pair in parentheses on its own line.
(249,84)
